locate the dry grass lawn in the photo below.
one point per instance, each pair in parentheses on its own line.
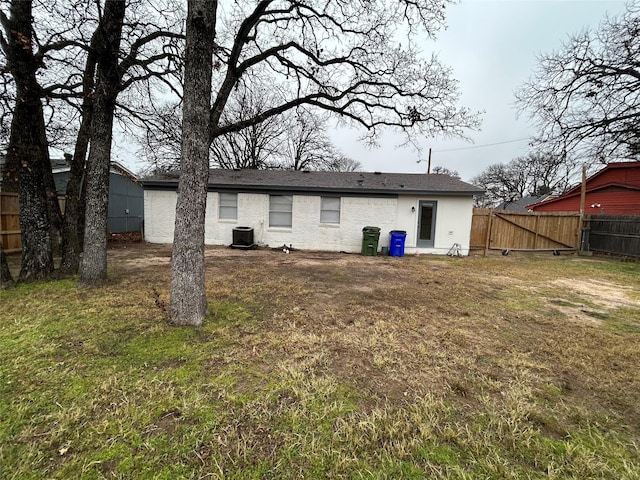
(318,365)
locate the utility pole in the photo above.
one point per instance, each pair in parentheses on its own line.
(428,163)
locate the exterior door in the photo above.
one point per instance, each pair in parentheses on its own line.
(426,224)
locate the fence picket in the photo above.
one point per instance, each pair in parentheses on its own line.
(10,222)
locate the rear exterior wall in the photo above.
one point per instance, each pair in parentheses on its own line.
(453,221)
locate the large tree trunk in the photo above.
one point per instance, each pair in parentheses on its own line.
(75,195)
(6,280)
(37,245)
(188,303)
(93,269)
(28,149)
(53,205)
(70,248)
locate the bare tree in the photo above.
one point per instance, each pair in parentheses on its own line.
(256,146)
(341,163)
(445,171)
(68,33)
(341,57)
(27,161)
(74,211)
(55,47)
(501,183)
(115,75)
(188,303)
(93,267)
(160,146)
(293,140)
(307,145)
(585,98)
(532,175)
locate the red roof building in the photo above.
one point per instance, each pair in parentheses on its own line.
(614,190)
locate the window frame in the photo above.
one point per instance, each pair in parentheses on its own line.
(280,212)
(222,205)
(324,210)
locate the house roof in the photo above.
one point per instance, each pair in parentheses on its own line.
(598,181)
(61,165)
(521,204)
(346,183)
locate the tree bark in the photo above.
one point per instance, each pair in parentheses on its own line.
(93,269)
(74,211)
(28,149)
(188,303)
(70,248)
(53,205)
(35,226)
(6,280)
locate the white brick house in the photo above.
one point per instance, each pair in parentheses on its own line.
(322,210)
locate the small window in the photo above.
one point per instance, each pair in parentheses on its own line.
(228,206)
(330,210)
(280,211)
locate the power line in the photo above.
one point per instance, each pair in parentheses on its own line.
(481,146)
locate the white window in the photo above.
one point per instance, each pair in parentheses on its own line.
(280,211)
(330,210)
(228,206)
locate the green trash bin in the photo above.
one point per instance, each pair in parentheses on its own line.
(370,237)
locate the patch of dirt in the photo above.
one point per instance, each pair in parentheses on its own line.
(125,237)
(166,423)
(605,296)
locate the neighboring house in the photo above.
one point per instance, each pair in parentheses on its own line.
(614,190)
(126,197)
(520,205)
(322,210)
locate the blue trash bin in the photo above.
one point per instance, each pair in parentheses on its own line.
(396,244)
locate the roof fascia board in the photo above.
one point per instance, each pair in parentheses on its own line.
(283,190)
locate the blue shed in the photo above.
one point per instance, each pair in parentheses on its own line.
(126,196)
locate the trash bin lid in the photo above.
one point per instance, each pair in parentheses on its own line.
(398,232)
(371,229)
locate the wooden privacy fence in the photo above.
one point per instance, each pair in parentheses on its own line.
(522,231)
(615,234)
(10,222)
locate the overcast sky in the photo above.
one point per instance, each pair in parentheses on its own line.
(491,45)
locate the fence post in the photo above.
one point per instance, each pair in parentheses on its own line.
(585,227)
(488,239)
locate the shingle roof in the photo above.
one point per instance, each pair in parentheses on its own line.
(520,205)
(355,183)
